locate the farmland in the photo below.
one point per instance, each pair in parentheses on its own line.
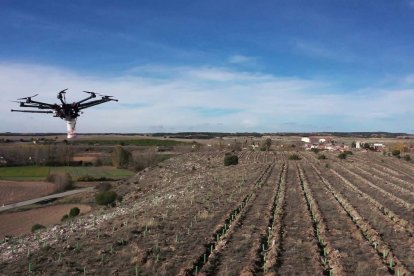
(266,215)
(41,172)
(23,221)
(17,191)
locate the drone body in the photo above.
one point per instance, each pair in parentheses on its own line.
(66,111)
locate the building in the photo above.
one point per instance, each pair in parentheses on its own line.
(3,161)
(321,143)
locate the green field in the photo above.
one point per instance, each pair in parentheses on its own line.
(35,173)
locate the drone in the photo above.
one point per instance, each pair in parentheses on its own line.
(66,111)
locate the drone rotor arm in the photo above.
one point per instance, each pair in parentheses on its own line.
(27,98)
(96,102)
(31,111)
(92,95)
(42,104)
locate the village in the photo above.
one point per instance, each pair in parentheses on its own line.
(329,143)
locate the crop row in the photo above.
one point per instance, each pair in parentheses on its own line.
(386,211)
(326,250)
(274,233)
(396,167)
(370,234)
(381,190)
(384,174)
(400,223)
(235,216)
(294,248)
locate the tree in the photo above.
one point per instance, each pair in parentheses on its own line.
(399,146)
(267,143)
(120,157)
(62,181)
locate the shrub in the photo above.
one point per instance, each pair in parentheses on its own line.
(65,217)
(407,157)
(396,152)
(315,150)
(37,227)
(294,157)
(342,155)
(106,197)
(321,157)
(231,159)
(74,212)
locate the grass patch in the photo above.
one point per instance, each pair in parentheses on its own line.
(95,172)
(32,173)
(24,173)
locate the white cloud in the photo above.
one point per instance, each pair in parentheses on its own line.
(409,79)
(329,52)
(169,98)
(240,59)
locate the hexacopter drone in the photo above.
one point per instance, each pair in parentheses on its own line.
(66,111)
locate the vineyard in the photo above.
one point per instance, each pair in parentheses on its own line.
(267,215)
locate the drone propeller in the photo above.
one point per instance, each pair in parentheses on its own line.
(63,91)
(89,92)
(25,98)
(106,96)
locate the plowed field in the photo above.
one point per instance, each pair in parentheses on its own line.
(267,215)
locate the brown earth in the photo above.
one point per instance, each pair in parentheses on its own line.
(86,184)
(89,156)
(17,191)
(191,214)
(19,223)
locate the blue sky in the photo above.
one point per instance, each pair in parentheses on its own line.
(322,65)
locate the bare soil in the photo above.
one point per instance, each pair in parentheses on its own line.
(267,215)
(17,191)
(89,156)
(19,223)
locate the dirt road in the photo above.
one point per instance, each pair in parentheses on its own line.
(36,200)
